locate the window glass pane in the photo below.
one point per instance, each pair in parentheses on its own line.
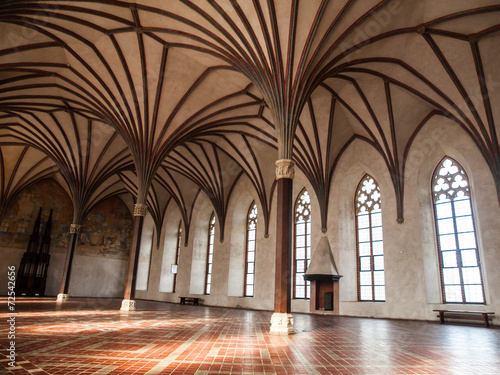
(469,258)
(250,267)
(378,278)
(443,210)
(365,264)
(445,226)
(364,235)
(471,275)
(379,293)
(366,293)
(365,278)
(249,291)
(377,234)
(251,256)
(300,241)
(467,240)
(378,262)
(378,248)
(250,278)
(251,246)
(474,294)
(465,224)
(447,242)
(449,258)
(300,253)
(300,264)
(300,229)
(363,221)
(251,235)
(462,207)
(364,249)
(453,293)
(377,219)
(451,276)
(300,291)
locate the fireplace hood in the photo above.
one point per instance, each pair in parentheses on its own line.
(322,265)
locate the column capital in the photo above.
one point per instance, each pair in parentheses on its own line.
(140,209)
(285,169)
(75,228)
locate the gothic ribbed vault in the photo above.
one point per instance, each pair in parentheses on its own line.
(170,99)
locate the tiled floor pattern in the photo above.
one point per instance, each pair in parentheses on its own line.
(89,336)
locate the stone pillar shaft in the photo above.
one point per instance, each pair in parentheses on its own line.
(282,320)
(283,246)
(135,248)
(66,276)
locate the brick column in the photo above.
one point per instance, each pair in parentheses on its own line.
(128,302)
(282,320)
(74,231)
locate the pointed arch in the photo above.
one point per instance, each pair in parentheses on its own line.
(210,253)
(250,250)
(302,245)
(369,241)
(459,261)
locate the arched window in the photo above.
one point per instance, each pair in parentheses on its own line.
(178,252)
(461,279)
(369,241)
(302,249)
(210,254)
(250,250)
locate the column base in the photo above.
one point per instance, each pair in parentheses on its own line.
(282,323)
(128,305)
(62,297)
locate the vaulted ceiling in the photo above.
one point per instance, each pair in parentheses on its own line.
(168,99)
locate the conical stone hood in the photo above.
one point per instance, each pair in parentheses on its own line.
(322,266)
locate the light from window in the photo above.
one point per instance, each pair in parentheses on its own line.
(459,258)
(370,246)
(302,251)
(250,251)
(210,254)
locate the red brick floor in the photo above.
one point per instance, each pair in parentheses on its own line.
(91,336)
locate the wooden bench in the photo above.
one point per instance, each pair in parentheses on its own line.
(195,300)
(465,315)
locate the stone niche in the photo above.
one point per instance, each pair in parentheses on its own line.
(324,278)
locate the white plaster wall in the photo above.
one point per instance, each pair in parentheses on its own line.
(201,217)
(169,250)
(90,276)
(147,240)
(400,243)
(263,297)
